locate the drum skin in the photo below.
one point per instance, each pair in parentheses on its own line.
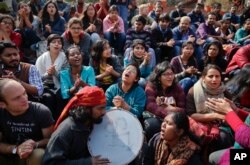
(119,137)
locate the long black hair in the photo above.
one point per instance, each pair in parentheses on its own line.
(45,15)
(31,17)
(85,15)
(98,49)
(182,122)
(81,113)
(219,57)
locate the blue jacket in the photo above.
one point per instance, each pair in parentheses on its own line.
(135,98)
(57,27)
(179,37)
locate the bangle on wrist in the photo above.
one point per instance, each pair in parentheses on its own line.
(14,150)
(37,145)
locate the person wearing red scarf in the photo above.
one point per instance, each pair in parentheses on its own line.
(68,144)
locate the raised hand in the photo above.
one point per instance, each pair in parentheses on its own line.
(171,43)
(109,69)
(51,70)
(48,28)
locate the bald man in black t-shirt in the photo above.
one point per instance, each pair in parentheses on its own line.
(25,127)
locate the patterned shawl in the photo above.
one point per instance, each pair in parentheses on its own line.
(179,155)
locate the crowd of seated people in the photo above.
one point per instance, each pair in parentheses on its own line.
(161,65)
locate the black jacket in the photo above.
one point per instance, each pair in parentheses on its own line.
(68,145)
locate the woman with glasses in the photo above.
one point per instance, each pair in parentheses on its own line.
(77,75)
(7,34)
(28,26)
(75,35)
(164,95)
(91,24)
(127,94)
(106,66)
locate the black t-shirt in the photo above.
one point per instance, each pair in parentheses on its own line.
(17,129)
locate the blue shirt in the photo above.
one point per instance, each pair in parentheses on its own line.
(179,37)
(87,75)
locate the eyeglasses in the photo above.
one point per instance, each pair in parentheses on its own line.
(7,23)
(7,45)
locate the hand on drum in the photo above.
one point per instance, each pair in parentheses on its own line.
(97,160)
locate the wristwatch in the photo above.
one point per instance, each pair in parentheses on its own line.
(14,150)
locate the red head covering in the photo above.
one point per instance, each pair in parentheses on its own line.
(88,96)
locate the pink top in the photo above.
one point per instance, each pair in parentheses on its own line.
(108,25)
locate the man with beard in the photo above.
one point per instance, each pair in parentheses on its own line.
(176,14)
(68,144)
(25,127)
(25,73)
(207,31)
(196,15)
(7,33)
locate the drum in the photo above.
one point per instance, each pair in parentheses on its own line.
(119,137)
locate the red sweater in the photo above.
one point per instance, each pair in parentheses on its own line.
(240,59)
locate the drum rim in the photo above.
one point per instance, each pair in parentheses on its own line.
(142,140)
